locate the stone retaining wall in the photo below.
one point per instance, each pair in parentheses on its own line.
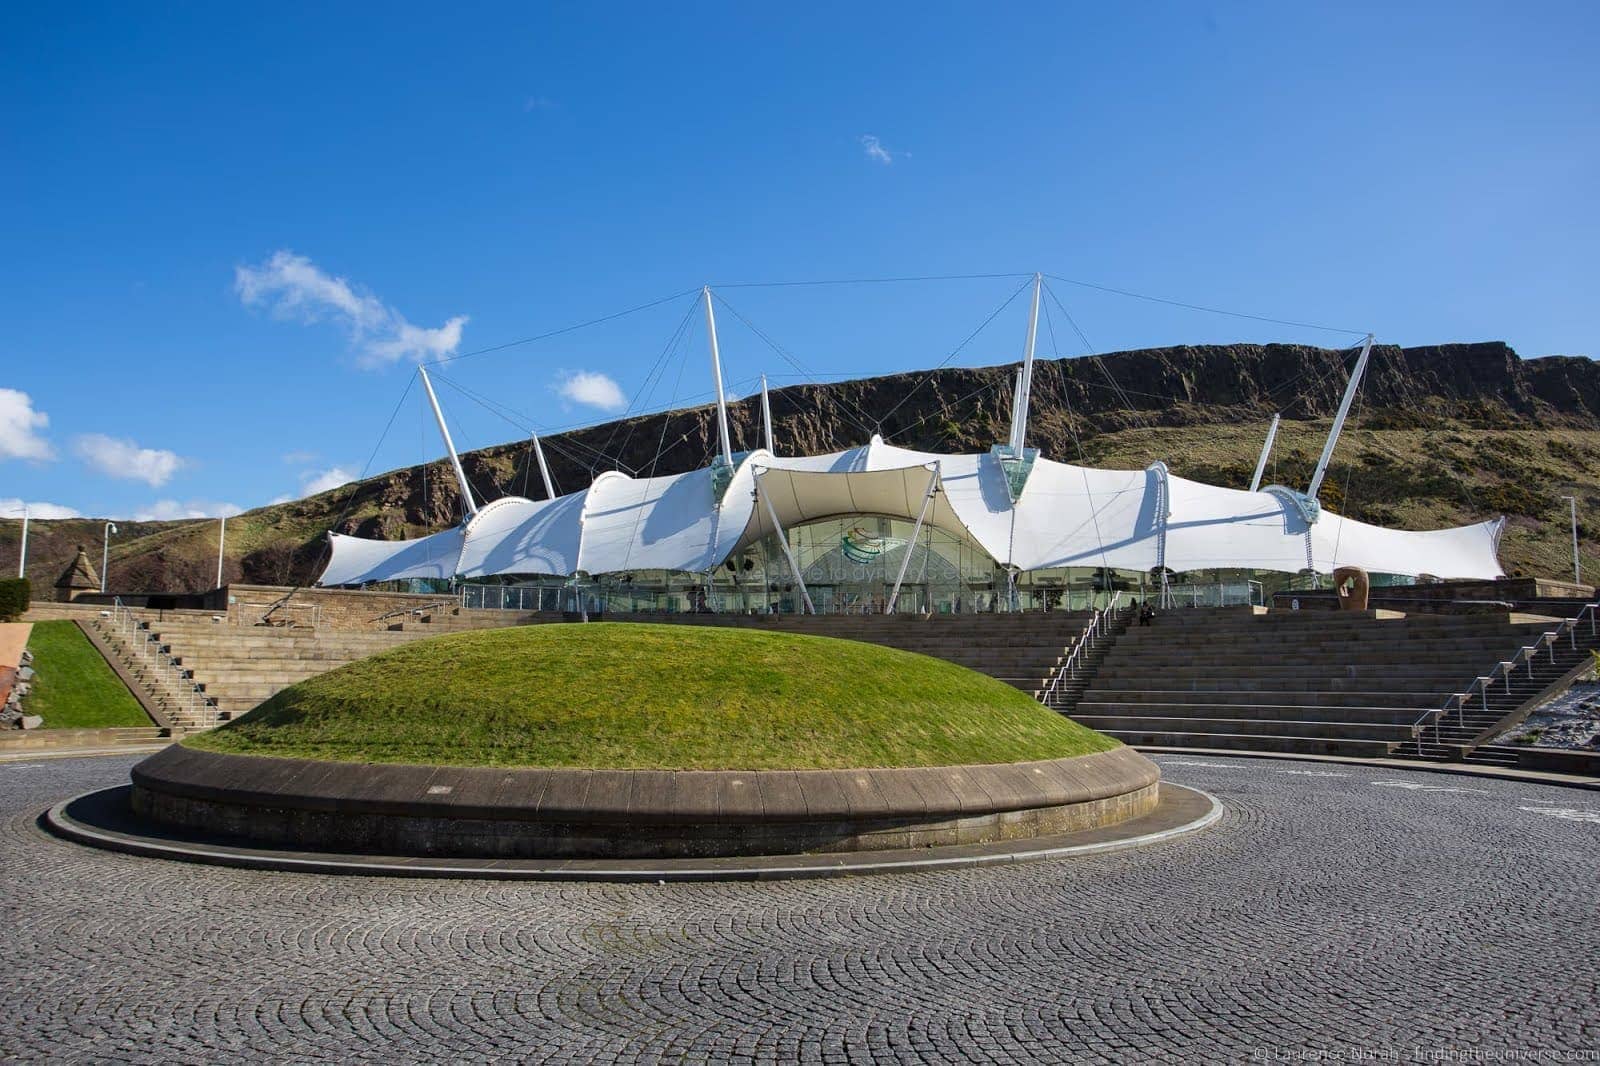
(531,813)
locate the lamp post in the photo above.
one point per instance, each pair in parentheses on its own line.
(1577,569)
(105,554)
(222,539)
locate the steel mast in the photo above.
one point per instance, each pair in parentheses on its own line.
(449,445)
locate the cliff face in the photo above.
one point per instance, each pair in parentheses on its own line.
(1440,434)
(1473,386)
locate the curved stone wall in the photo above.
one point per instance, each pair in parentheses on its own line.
(531,813)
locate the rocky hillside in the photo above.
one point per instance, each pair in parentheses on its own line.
(1441,435)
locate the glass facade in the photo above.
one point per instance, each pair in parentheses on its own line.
(849,566)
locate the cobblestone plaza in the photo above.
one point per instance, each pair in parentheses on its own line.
(1337,912)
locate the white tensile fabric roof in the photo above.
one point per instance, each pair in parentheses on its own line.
(1066,516)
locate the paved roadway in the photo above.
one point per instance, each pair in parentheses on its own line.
(1335,912)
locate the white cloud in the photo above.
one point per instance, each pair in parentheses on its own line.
(592,389)
(315,481)
(539,103)
(294,287)
(299,458)
(125,459)
(877,152)
(285,498)
(172,510)
(11,507)
(19,426)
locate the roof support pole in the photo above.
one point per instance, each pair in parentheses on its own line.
(783,542)
(766,416)
(1019,414)
(544,470)
(449,445)
(911,544)
(716,374)
(1338,419)
(1266,450)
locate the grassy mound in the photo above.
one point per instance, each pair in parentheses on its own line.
(637,696)
(73,687)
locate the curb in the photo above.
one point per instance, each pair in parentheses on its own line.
(92,818)
(1495,773)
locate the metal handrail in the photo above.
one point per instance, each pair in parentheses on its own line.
(1503,671)
(191,699)
(241,609)
(411,610)
(1086,639)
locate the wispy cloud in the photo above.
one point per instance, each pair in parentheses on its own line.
(19,428)
(299,458)
(172,510)
(11,507)
(878,152)
(125,459)
(315,481)
(592,389)
(293,287)
(539,103)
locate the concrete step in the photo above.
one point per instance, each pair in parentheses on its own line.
(1359,731)
(1411,705)
(1285,712)
(1366,749)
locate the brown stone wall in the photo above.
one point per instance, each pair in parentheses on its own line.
(331,608)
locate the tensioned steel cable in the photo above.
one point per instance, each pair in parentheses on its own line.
(1099,363)
(355,490)
(860,281)
(928,374)
(563,330)
(791,360)
(1209,310)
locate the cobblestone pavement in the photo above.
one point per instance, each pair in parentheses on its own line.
(1335,911)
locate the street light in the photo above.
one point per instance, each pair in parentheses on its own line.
(1577,570)
(105,554)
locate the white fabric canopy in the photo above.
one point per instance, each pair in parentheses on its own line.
(1066,516)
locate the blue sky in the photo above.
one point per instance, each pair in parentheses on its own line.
(228,234)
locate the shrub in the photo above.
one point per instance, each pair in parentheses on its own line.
(15,595)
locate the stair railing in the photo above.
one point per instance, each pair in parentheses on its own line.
(1526,655)
(411,610)
(1099,622)
(192,700)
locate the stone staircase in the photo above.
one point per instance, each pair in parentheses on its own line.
(1508,689)
(1312,682)
(1023,650)
(167,685)
(237,667)
(1066,691)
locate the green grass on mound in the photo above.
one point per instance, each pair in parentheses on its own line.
(638,696)
(73,688)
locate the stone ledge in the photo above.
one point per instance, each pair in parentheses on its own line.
(104,819)
(435,810)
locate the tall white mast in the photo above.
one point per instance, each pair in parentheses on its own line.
(1266,449)
(544,471)
(22,550)
(449,445)
(1338,419)
(716,373)
(1019,415)
(766,416)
